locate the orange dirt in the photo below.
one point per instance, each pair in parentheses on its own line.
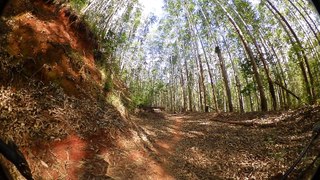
(74,157)
(194,146)
(166,145)
(53,48)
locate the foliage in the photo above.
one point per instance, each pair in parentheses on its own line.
(245,67)
(78,4)
(176,50)
(108,86)
(248,89)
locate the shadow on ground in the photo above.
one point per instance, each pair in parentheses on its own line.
(195,146)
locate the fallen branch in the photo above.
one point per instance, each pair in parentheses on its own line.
(246,123)
(284,88)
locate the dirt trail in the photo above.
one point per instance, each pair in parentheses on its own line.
(171,144)
(196,146)
(145,157)
(166,142)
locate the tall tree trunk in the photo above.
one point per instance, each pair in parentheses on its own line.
(201,107)
(202,87)
(202,84)
(214,97)
(250,96)
(236,76)
(305,19)
(201,68)
(189,84)
(184,94)
(265,65)
(307,13)
(311,48)
(225,78)
(263,99)
(311,85)
(268,47)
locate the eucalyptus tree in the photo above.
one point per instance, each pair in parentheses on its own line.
(219,38)
(225,77)
(263,99)
(305,19)
(276,43)
(210,37)
(236,75)
(129,32)
(245,9)
(106,13)
(174,54)
(188,8)
(213,44)
(299,49)
(114,22)
(180,55)
(308,14)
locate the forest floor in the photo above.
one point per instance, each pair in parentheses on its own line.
(157,145)
(229,146)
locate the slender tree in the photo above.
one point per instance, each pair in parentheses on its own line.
(310,87)
(263,99)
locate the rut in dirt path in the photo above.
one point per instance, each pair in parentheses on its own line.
(172,142)
(167,141)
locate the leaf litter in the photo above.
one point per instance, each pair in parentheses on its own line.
(226,146)
(68,137)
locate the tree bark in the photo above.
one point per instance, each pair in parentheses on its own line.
(189,84)
(305,19)
(202,87)
(290,92)
(307,13)
(268,46)
(236,76)
(265,65)
(263,99)
(214,97)
(184,94)
(225,78)
(310,86)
